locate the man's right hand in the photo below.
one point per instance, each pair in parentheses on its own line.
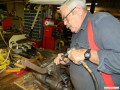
(60,60)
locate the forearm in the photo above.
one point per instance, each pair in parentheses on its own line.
(109,61)
(78,54)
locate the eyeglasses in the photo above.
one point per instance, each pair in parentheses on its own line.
(68,14)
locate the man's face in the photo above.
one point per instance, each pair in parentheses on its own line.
(71,18)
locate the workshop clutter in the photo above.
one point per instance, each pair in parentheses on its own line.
(4,59)
(12,24)
(10,58)
(48,39)
(56,77)
(33,26)
(32,51)
(7,23)
(46,75)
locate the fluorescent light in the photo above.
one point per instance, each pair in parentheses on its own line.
(88,4)
(56,2)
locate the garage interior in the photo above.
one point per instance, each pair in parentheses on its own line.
(31,35)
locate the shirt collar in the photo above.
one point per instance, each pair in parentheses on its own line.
(85,22)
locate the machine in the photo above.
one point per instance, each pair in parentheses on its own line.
(48,76)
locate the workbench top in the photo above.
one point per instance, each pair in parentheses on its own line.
(9,81)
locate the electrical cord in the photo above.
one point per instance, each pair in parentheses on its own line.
(5,61)
(86,67)
(9,52)
(6,56)
(91,74)
(4,41)
(3,38)
(2,70)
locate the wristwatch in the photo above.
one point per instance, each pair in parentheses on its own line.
(87,54)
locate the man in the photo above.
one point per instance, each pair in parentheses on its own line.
(106,29)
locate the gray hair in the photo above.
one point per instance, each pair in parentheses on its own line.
(73,3)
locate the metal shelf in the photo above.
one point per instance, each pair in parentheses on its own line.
(37,32)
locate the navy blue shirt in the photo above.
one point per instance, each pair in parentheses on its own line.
(106,30)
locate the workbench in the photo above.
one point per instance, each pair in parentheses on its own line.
(10,81)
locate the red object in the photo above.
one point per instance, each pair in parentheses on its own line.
(48,22)
(48,43)
(7,23)
(48,31)
(22,72)
(37,44)
(48,40)
(107,78)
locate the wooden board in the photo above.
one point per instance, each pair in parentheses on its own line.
(26,82)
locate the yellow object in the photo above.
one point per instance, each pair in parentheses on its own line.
(18,61)
(3,63)
(86,66)
(18,65)
(1,28)
(3,38)
(17,56)
(13,70)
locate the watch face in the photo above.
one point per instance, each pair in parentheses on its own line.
(87,55)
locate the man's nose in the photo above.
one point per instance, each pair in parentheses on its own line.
(65,22)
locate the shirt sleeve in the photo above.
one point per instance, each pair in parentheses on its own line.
(107,36)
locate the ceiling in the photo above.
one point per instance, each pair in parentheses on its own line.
(107,3)
(112,6)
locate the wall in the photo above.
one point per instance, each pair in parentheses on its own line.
(18,7)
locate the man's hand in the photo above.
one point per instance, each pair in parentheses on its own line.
(78,54)
(60,60)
